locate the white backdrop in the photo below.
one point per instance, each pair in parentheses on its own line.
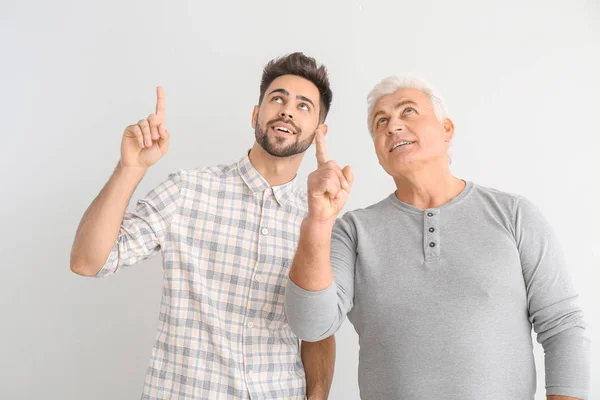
(521,84)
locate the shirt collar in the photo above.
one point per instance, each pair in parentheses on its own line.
(258,184)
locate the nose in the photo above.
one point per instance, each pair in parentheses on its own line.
(395,126)
(286,112)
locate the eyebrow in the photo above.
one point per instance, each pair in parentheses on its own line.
(397,106)
(283,91)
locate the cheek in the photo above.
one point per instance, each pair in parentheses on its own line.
(380,148)
(437,140)
(431,139)
(308,124)
(266,113)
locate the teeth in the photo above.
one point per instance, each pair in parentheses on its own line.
(283,129)
(399,144)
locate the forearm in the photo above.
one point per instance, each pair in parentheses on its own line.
(311,268)
(562,398)
(567,363)
(319,364)
(315,305)
(100,225)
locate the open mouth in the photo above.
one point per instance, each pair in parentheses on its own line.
(400,144)
(283,129)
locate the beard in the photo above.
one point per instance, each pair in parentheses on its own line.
(274,144)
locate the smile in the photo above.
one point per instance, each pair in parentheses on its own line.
(399,144)
(283,128)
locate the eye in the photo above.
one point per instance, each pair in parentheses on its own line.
(408,110)
(303,106)
(381,121)
(277,99)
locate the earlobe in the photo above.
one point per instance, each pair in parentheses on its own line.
(449,130)
(254,120)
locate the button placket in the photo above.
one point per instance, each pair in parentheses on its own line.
(251,324)
(264,230)
(431,234)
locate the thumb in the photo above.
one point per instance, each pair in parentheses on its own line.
(349,175)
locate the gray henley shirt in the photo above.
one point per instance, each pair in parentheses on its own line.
(444,299)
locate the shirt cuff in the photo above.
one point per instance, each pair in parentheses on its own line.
(311,314)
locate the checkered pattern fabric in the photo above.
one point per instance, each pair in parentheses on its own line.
(227,239)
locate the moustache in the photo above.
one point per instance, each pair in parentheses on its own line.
(285,121)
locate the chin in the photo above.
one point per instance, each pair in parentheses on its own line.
(399,166)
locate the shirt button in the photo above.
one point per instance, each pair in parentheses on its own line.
(250,324)
(430,214)
(431,230)
(432,244)
(264,231)
(258,278)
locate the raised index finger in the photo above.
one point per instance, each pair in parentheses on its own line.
(321,152)
(160,102)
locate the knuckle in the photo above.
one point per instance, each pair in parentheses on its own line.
(332,164)
(331,175)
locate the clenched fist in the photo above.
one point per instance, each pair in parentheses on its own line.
(328,186)
(147,141)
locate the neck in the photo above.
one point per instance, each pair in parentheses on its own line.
(428,186)
(276,170)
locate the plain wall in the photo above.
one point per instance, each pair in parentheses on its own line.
(521,82)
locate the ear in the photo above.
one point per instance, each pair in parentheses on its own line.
(321,128)
(254,117)
(448,130)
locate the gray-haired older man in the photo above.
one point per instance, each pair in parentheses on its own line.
(443,279)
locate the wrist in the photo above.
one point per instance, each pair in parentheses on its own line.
(317,231)
(312,223)
(130,173)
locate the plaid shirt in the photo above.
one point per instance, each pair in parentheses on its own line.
(227,240)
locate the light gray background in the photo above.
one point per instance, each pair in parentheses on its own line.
(521,83)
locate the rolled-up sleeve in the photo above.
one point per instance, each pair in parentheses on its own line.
(144,230)
(314,316)
(553,305)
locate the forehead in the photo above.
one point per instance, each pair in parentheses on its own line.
(388,102)
(295,86)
